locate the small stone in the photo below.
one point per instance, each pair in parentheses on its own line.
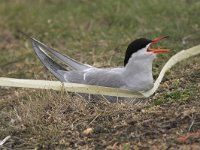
(88,131)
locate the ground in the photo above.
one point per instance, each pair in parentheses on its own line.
(97,33)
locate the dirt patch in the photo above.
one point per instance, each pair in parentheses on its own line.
(57,120)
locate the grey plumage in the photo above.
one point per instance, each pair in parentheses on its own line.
(73,64)
(136,75)
(51,65)
(81,73)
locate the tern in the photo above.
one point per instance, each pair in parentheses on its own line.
(135,75)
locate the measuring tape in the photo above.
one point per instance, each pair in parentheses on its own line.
(99,90)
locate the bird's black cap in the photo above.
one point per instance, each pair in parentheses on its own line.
(134,46)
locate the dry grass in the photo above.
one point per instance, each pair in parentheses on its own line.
(47,119)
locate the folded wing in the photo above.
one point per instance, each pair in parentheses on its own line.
(73,64)
(50,64)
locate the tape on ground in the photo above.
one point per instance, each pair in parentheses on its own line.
(92,89)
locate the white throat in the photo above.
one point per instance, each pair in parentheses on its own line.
(138,71)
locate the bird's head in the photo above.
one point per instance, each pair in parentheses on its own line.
(141,48)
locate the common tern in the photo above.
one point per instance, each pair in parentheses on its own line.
(135,75)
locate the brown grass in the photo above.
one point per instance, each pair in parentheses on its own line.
(48,119)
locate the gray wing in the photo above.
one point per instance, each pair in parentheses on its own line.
(101,77)
(73,64)
(51,65)
(105,78)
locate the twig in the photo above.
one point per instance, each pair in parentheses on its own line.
(94,119)
(192,123)
(4,140)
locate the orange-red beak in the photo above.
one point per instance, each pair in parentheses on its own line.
(156,40)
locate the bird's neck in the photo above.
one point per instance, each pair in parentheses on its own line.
(138,73)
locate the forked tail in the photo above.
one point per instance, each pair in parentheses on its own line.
(49,63)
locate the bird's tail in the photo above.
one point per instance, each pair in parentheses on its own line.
(50,64)
(73,64)
(56,69)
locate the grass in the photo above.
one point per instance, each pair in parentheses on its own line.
(97,33)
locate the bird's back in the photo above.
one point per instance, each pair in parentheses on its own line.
(95,76)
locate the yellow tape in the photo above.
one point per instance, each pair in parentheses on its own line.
(92,89)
